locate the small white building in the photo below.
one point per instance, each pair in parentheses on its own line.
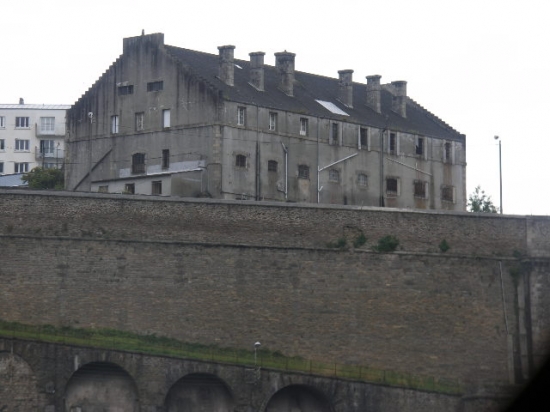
(31,135)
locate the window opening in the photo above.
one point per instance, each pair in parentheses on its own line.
(303,126)
(156,187)
(391,186)
(138,163)
(240,160)
(272,166)
(155,86)
(303,172)
(165,159)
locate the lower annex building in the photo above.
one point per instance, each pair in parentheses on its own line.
(169,121)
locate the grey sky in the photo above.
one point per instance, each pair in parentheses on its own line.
(481,66)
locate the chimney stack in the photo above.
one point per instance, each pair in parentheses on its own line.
(284,63)
(21,101)
(399,101)
(257,70)
(345,87)
(227,65)
(373,92)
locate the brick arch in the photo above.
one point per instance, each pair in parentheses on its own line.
(101,386)
(18,385)
(199,392)
(298,398)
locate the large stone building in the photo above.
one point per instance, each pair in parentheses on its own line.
(164,120)
(31,135)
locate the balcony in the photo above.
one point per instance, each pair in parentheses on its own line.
(49,154)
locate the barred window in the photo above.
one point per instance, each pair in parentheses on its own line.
(392,186)
(272,166)
(125,90)
(303,172)
(240,160)
(420,189)
(138,163)
(362,179)
(334,175)
(155,86)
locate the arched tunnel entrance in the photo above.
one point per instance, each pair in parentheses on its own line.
(18,390)
(99,387)
(298,398)
(199,392)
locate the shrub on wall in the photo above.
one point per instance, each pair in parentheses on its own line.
(387,243)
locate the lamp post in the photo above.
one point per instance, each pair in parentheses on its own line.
(500,168)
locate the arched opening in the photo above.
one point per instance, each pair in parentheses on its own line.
(101,386)
(298,398)
(18,390)
(199,392)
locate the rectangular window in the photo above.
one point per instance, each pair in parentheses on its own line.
(165,159)
(21,122)
(362,180)
(130,188)
(47,147)
(139,121)
(420,189)
(448,155)
(333,175)
(392,186)
(303,172)
(419,146)
(103,189)
(114,124)
(156,188)
(363,138)
(448,193)
(155,86)
(21,145)
(21,168)
(393,144)
(166,118)
(240,160)
(125,90)
(2,122)
(1,168)
(47,125)
(334,134)
(138,163)
(272,121)
(241,116)
(303,126)
(2,144)
(272,166)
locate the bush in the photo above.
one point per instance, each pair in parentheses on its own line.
(444,246)
(387,243)
(360,240)
(39,178)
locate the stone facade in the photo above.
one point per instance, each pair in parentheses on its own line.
(168,121)
(230,273)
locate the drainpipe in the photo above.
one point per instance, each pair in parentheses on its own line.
(258,177)
(286,170)
(318,182)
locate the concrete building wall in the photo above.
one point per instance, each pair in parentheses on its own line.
(45,123)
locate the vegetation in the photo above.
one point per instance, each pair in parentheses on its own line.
(159,345)
(444,246)
(39,178)
(387,244)
(360,240)
(338,244)
(480,202)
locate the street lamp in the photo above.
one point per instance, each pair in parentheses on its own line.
(500,168)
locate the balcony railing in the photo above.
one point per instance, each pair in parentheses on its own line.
(54,154)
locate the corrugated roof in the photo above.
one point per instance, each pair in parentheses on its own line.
(36,106)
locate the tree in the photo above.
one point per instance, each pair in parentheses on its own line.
(39,178)
(480,202)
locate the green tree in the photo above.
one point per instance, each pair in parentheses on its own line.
(480,202)
(39,178)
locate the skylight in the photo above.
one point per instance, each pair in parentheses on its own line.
(331,107)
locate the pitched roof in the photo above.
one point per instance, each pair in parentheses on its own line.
(36,106)
(308,88)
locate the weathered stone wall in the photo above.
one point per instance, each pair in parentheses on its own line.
(232,273)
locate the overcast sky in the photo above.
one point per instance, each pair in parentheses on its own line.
(482,66)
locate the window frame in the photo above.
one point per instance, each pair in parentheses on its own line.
(420,146)
(363,135)
(304,126)
(393,140)
(2,122)
(241,116)
(138,163)
(272,166)
(166,118)
(156,188)
(334,175)
(240,161)
(165,159)
(303,172)
(47,146)
(445,189)
(126,90)
(1,168)
(130,188)
(47,125)
(448,152)
(273,121)
(392,193)
(423,192)
(334,134)
(26,145)
(18,121)
(155,86)
(2,145)
(114,124)
(363,180)
(17,167)
(140,121)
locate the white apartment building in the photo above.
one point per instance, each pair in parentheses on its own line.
(31,135)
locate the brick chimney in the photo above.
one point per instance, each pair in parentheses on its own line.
(284,63)
(373,92)
(227,65)
(345,87)
(399,101)
(257,70)
(21,100)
